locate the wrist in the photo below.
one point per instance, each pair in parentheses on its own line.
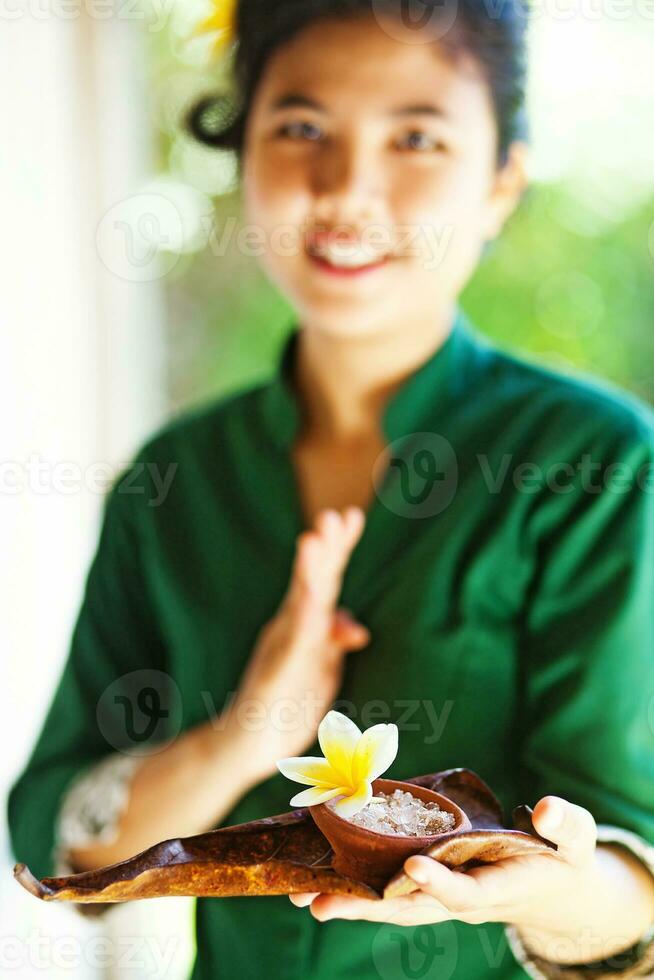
(231,746)
(564,949)
(606,916)
(638,960)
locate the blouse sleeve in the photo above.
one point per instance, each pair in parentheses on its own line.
(116,652)
(90,813)
(587,652)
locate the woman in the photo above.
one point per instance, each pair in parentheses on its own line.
(433,532)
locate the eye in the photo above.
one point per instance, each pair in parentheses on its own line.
(300,130)
(418,140)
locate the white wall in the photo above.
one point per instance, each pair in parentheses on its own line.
(81,382)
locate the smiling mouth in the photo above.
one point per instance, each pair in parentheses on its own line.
(346,270)
(345,258)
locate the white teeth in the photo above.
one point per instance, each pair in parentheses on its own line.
(346,256)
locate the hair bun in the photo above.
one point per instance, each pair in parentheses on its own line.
(214,120)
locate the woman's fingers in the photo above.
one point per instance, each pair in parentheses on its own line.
(322,555)
(328,524)
(488,893)
(338,533)
(354,521)
(307,557)
(347,632)
(301,899)
(409,910)
(572,828)
(455,890)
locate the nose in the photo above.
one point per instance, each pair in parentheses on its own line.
(346,180)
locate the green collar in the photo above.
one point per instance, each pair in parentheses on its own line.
(412,408)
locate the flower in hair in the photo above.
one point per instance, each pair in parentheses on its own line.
(221,23)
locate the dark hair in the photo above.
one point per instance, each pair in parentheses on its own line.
(493,31)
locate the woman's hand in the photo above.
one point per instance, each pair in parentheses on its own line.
(296,668)
(578,904)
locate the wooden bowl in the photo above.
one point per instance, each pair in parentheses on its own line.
(371,857)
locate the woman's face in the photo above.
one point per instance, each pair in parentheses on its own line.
(364,149)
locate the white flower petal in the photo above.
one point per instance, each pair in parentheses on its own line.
(350,805)
(312,770)
(315,795)
(374,753)
(338,737)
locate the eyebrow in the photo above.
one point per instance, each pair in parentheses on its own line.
(294,100)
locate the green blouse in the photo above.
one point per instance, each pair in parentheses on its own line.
(506,573)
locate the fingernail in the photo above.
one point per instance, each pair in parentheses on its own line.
(554,816)
(418,874)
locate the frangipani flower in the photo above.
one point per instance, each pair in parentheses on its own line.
(221,22)
(352,760)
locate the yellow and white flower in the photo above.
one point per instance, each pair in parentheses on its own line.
(220,23)
(352,760)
